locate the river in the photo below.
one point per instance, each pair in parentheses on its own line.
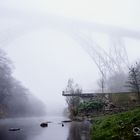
(30,129)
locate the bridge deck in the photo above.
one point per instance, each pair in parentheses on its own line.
(91,94)
(81,95)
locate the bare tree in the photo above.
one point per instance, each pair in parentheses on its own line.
(73,101)
(134,79)
(101,84)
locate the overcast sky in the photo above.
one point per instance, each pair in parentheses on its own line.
(46,56)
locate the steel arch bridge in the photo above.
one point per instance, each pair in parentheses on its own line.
(107,62)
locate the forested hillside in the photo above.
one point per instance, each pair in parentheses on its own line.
(15,99)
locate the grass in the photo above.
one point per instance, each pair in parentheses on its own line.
(116,127)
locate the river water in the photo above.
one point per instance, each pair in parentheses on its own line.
(30,129)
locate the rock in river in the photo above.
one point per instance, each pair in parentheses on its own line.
(45,124)
(14,129)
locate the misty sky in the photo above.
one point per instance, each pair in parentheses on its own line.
(46,56)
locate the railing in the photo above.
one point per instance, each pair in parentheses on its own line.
(91,94)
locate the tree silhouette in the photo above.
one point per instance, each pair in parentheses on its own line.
(134,79)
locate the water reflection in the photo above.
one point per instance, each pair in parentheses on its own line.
(30,129)
(79,131)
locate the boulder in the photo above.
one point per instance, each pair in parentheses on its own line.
(44,124)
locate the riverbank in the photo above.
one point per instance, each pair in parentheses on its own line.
(116,127)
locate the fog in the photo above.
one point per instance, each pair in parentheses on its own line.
(39,37)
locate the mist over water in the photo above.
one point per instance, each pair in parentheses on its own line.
(49,42)
(47,49)
(30,129)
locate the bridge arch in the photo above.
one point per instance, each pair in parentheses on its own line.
(82,33)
